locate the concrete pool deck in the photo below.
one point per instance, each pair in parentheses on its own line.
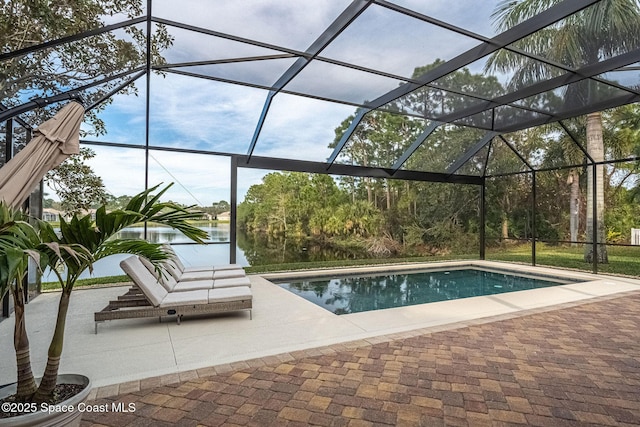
(576,364)
(132,351)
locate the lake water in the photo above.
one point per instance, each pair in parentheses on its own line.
(251,250)
(216,252)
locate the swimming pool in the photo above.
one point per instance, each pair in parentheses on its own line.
(353,294)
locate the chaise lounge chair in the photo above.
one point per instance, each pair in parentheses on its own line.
(151,299)
(174,283)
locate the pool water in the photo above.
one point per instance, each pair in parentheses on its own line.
(350,294)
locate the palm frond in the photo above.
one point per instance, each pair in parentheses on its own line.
(156,253)
(99,237)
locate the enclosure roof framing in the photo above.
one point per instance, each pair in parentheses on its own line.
(323,76)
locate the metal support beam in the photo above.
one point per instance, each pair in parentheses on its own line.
(35,210)
(20,121)
(576,142)
(486,159)
(8,154)
(518,32)
(70,39)
(333,30)
(415,145)
(483,208)
(337,26)
(347,134)
(225,36)
(73,94)
(580,111)
(38,103)
(224,61)
(522,159)
(548,85)
(594,213)
(258,129)
(471,152)
(271,163)
(534,232)
(147,105)
(8,142)
(234,210)
(114,91)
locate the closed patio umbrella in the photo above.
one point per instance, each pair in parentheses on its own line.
(53,142)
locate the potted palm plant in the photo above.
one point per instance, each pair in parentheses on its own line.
(21,242)
(80,243)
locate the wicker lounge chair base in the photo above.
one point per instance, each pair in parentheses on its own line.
(134,309)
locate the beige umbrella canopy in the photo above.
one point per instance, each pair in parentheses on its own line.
(53,142)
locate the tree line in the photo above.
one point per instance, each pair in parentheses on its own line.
(425,218)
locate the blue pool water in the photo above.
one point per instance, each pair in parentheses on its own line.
(350,294)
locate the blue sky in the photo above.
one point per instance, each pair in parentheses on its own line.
(207,115)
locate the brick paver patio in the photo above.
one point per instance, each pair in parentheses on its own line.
(574,366)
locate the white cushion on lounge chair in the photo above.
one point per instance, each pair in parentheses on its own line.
(221,267)
(198,268)
(167,281)
(146,281)
(191,285)
(218,267)
(196,275)
(231,282)
(186,298)
(229,294)
(172,268)
(172,285)
(225,274)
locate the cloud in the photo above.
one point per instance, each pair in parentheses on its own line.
(293,24)
(301,128)
(472,15)
(195,113)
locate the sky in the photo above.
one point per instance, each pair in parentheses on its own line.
(207,115)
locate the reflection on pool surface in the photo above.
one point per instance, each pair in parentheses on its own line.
(351,294)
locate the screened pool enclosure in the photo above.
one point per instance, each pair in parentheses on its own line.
(211,94)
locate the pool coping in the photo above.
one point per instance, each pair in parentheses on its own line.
(544,271)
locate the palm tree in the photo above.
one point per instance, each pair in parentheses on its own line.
(20,243)
(98,239)
(603,30)
(81,242)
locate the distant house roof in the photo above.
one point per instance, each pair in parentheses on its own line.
(51,211)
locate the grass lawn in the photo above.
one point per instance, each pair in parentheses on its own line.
(95,281)
(622,260)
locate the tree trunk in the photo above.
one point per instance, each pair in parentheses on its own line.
(407,196)
(505,228)
(26,386)
(595,148)
(388,190)
(50,377)
(574,207)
